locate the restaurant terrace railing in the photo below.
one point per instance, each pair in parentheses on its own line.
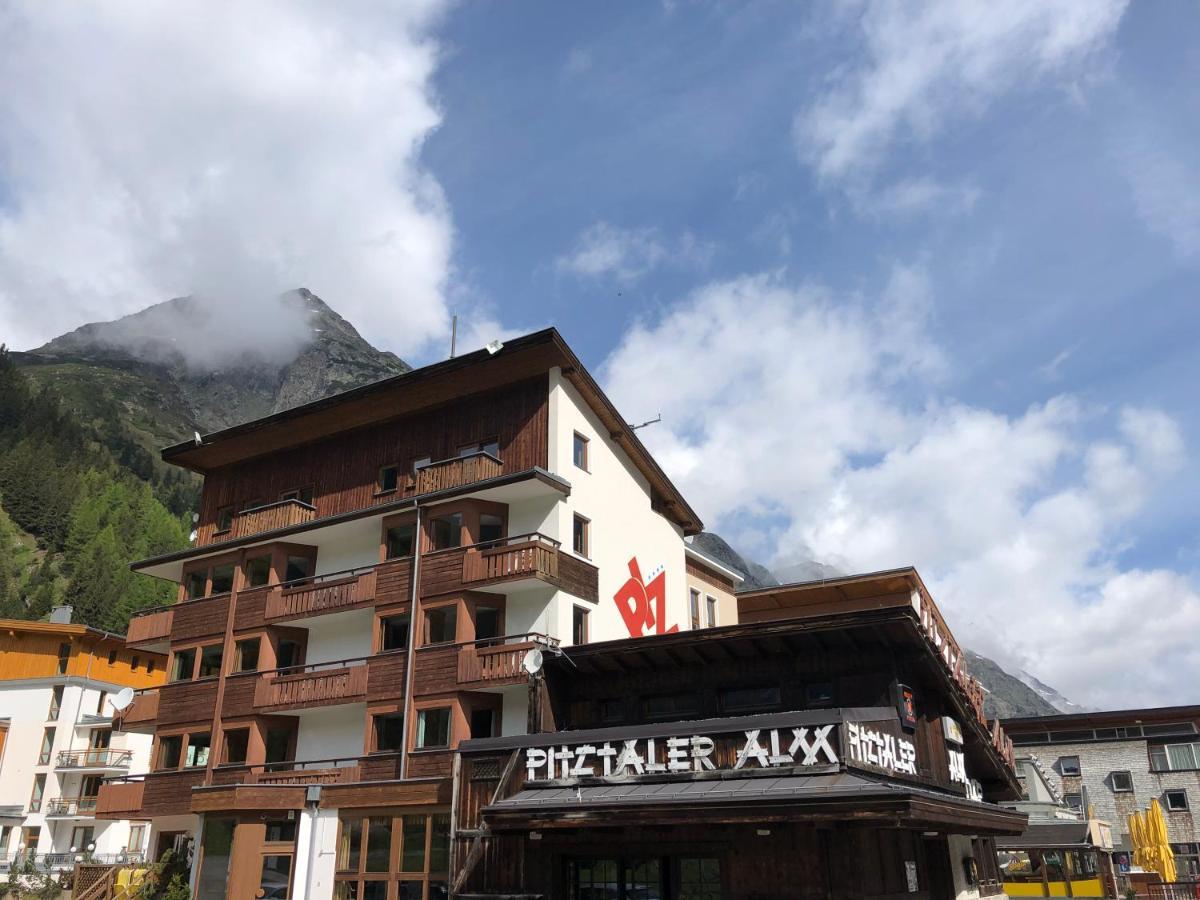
(69,806)
(457,471)
(321,593)
(94,758)
(497,661)
(271,516)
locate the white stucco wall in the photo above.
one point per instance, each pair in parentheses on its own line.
(316,853)
(339,636)
(333,732)
(614,496)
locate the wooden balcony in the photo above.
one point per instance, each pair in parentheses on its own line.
(301,687)
(120,799)
(292,772)
(150,628)
(527,558)
(334,592)
(495,662)
(457,472)
(154,794)
(140,715)
(98,758)
(282,514)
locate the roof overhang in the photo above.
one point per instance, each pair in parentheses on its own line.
(708,562)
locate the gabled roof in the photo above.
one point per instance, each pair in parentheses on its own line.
(424,388)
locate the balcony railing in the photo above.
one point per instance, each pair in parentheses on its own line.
(522,556)
(150,626)
(457,472)
(141,713)
(272,516)
(497,661)
(321,594)
(320,684)
(94,758)
(52,862)
(294,772)
(66,807)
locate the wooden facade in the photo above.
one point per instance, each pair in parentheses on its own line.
(49,650)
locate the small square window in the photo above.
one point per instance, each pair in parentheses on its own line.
(400,540)
(197,750)
(258,571)
(210,660)
(491,528)
(441,624)
(1122,781)
(195,584)
(394,632)
(304,495)
(237,742)
(433,728)
(1068,765)
(1073,801)
(245,655)
(388,478)
(1176,800)
(224,519)
(222,578)
(581,536)
(446,531)
(183,664)
(389,731)
(298,568)
(170,750)
(819,693)
(580,452)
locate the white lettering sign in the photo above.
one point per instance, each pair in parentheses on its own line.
(762,748)
(879,749)
(958,766)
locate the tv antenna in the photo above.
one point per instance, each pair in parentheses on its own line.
(653,421)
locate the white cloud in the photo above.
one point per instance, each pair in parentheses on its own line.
(1166,193)
(913,196)
(925,64)
(818,424)
(604,250)
(232,151)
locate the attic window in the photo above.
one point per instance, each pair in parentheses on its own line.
(388,476)
(1068,765)
(1122,782)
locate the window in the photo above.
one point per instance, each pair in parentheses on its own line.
(400,540)
(487,622)
(694,608)
(210,660)
(134,662)
(304,495)
(39,788)
(711,605)
(579,535)
(278,742)
(258,571)
(490,447)
(1068,765)
(1176,800)
(288,653)
(389,731)
(195,584)
(183,664)
(224,518)
(420,463)
(1174,757)
(491,528)
(101,739)
(670,706)
(298,568)
(446,531)
(393,632)
(236,743)
(1122,781)
(112,657)
(579,625)
(441,624)
(56,699)
(47,747)
(376,852)
(483,722)
(64,656)
(612,710)
(100,702)
(751,699)
(245,655)
(699,877)
(222,578)
(1073,801)
(197,750)
(819,693)
(388,477)
(150,666)
(280,831)
(137,838)
(433,728)
(580,452)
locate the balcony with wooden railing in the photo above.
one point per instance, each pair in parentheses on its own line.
(527,558)
(320,684)
(166,792)
(329,593)
(291,772)
(94,758)
(458,471)
(271,517)
(70,808)
(141,714)
(150,628)
(495,662)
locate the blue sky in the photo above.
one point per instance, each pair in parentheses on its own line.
(909,283)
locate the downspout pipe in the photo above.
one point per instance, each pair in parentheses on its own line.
(414,593)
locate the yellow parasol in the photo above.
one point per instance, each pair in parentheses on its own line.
(1156,827)
(1137,837)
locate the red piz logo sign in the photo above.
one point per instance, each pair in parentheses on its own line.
(644,606)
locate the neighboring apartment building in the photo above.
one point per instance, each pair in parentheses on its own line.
(57,743)
(1118,761)
(369,574)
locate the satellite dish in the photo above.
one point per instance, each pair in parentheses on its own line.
(122,699)
(532,663)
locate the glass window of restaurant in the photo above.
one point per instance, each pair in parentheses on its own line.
(390,856)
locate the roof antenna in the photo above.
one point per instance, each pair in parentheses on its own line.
(453,333)
(654,421)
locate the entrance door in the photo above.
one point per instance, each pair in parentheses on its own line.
(937,869)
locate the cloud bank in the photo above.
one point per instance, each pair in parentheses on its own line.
(801,422)
(227,151)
